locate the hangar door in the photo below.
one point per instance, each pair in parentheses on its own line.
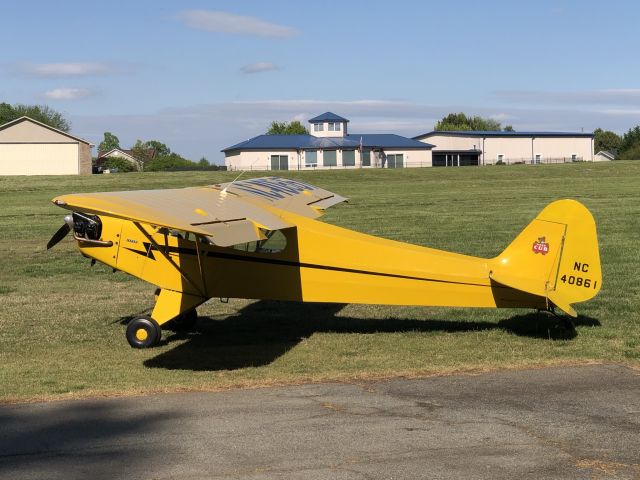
(38,158)
(455,159)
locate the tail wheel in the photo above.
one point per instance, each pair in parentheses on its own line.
(185,322)
(143,332)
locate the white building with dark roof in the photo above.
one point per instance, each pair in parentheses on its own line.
(329,145)
(459,148)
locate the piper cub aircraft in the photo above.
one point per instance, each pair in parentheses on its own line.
(259,239)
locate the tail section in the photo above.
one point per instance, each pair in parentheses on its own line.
(556,256)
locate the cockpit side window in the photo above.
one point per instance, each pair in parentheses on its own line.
(274,243)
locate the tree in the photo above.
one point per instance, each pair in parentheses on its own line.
(109,143)
(459,121)
(508,128)
(7,113)
(141,152)
(160,148)
(204,162)
(630,144)
(605,140)
(632,153)
(40,113)
(284,128)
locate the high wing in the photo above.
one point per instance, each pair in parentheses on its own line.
(228,213)
(285,194)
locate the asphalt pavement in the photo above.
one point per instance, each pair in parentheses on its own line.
(569,422)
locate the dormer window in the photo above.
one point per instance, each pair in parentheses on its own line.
(334,126)
(318,127)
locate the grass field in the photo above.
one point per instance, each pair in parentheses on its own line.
(62,323)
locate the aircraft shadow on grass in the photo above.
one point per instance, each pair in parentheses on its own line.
(263,331)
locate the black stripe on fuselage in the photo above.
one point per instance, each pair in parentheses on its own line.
(288,263)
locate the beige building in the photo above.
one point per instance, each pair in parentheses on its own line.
(460,148)
(329,145)
(29,147)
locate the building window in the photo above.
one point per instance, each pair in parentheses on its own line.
(395,160)
(334,126)
(538,158)
(329,158)
(574,157)
(311,158)
(348,158)
(365,158)
(279,162)
(318,127)
(500,158)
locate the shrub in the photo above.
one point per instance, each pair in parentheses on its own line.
(168,162)
(632,153)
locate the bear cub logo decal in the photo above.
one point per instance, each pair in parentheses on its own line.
(540,246)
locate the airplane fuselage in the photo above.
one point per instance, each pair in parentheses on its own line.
(312,262)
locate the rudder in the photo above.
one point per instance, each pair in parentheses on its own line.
(556,256)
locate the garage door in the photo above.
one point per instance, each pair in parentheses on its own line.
(38,159)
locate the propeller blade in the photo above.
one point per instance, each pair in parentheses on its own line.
(59,235)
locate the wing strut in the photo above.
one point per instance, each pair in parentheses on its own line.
(200,264)
(171,261)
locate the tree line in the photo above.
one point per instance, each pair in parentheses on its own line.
(40,113)
(625,146)
(152,154)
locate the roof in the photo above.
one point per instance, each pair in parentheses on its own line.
(328,117)
(500,133)
(308,142)
(607,153)
(468,150)
(387,140)
(48,127)
(151,153)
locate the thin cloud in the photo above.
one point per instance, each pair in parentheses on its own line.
(223,22)
(67,93)
(49,70)
(501,117)
(620,96)
(259,67)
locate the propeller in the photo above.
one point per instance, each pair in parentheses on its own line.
(62,232)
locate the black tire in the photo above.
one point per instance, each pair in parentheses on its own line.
(143,332)
(185,322)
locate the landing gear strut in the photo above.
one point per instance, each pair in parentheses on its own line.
(173,310)
(185,322)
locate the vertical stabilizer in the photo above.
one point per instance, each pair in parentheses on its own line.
(556,256)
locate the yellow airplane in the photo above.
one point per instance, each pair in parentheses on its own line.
(259,239)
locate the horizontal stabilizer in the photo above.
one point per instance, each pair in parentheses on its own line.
(561,303)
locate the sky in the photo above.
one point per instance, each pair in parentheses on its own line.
(200,75)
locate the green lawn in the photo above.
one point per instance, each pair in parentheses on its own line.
(62,322)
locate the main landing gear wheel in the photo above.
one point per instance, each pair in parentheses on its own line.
(143,332)
(185,322)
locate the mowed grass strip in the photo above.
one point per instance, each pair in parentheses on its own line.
(62,323)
